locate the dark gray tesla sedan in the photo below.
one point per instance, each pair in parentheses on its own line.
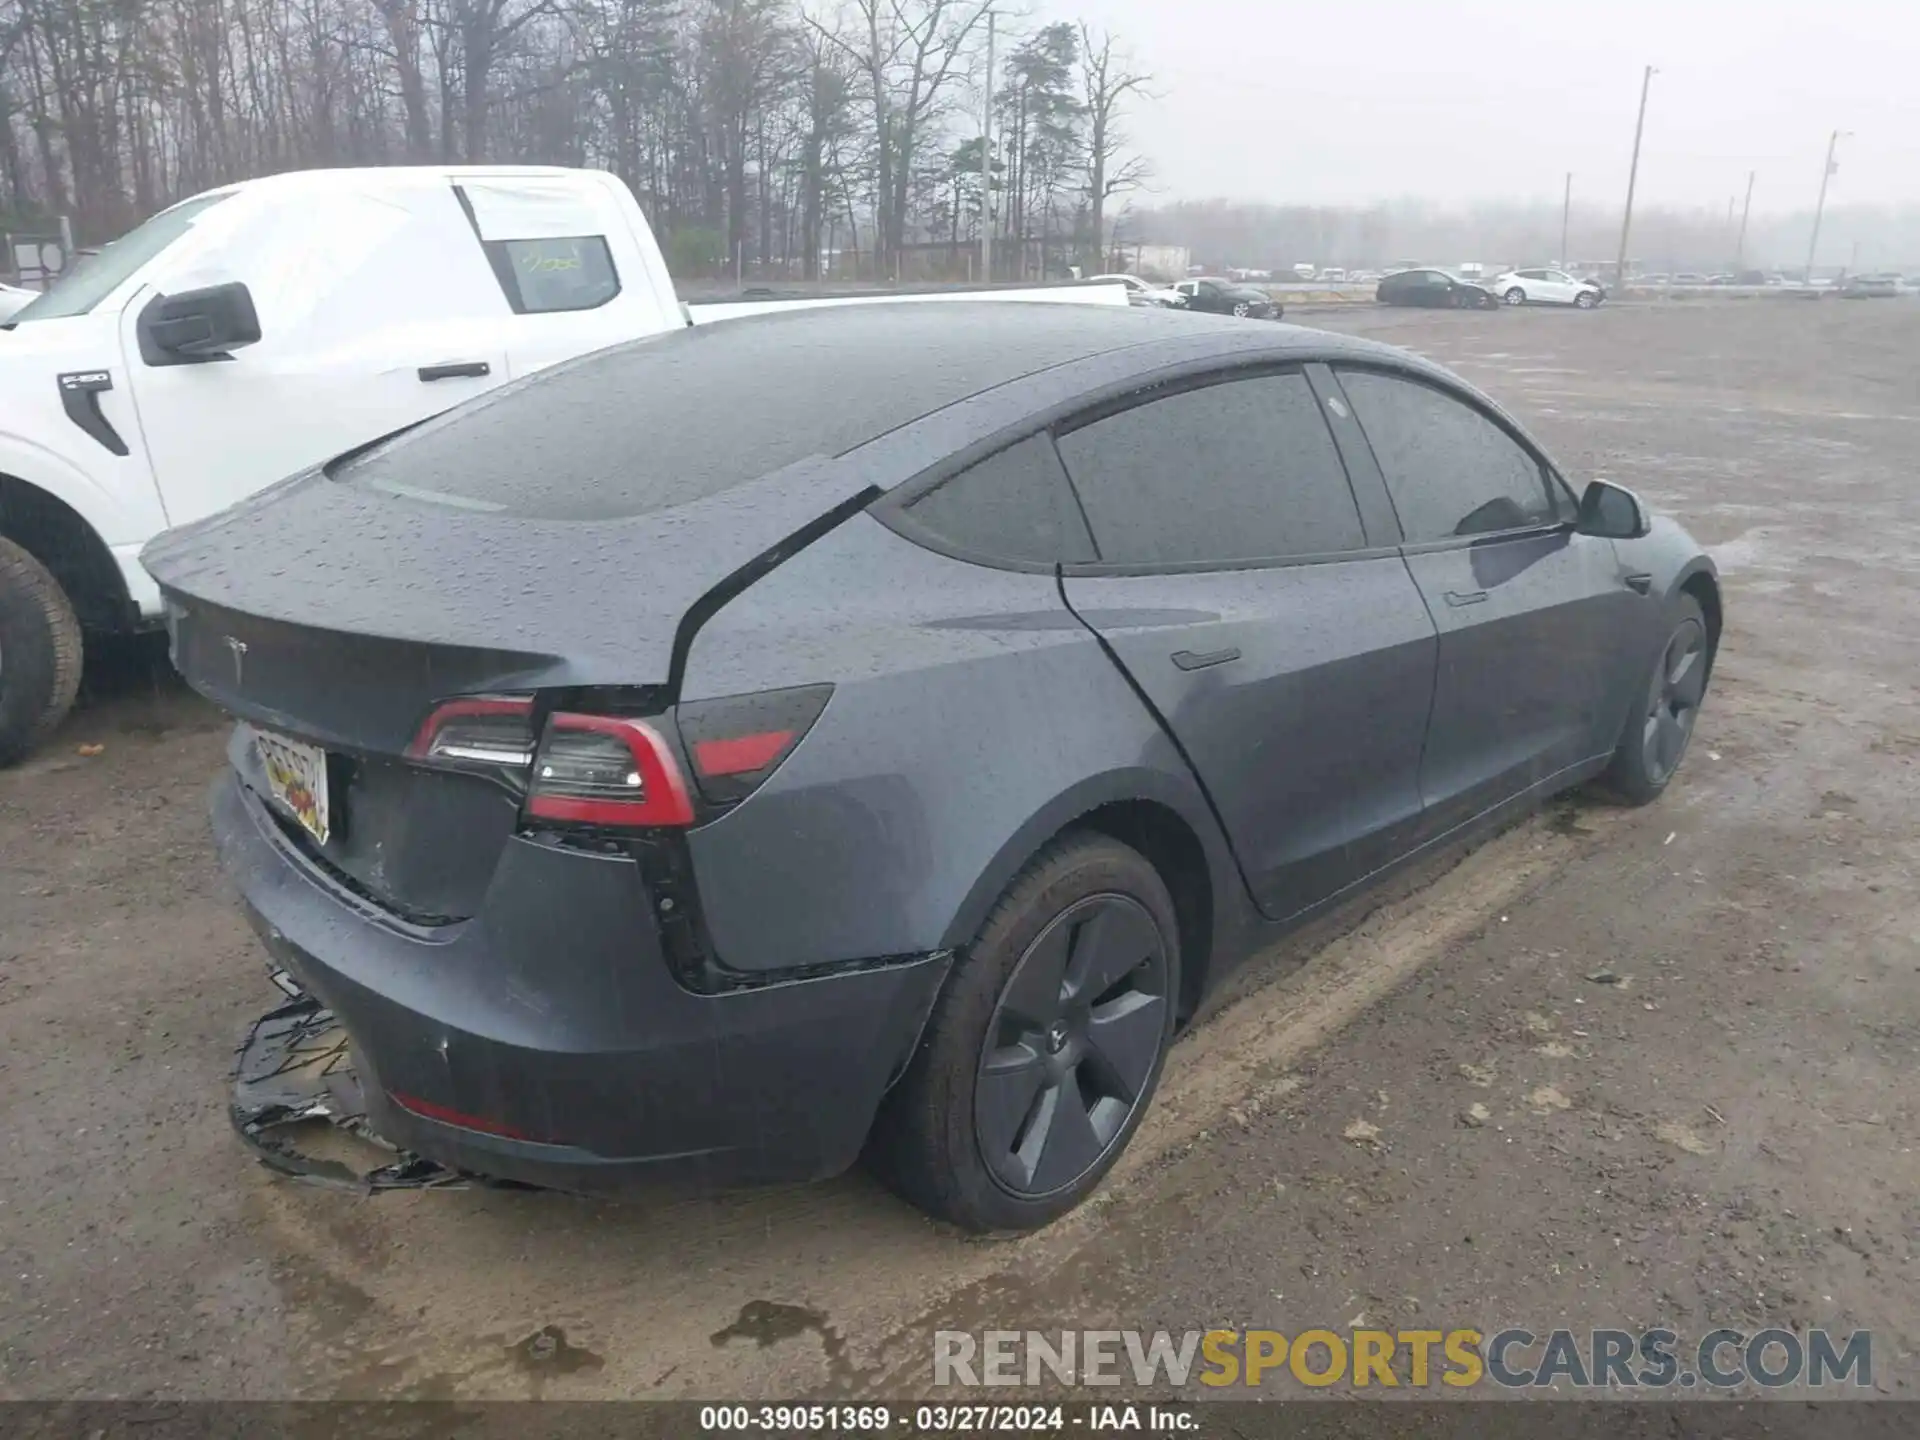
(877,729)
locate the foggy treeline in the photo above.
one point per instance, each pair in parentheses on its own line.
(753,133)
(1221,233)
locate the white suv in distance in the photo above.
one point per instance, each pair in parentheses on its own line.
(1546,287)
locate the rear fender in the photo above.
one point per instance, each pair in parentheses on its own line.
(973,718)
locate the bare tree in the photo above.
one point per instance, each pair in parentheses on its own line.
(1107,82)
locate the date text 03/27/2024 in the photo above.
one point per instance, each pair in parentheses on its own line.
(941,1419)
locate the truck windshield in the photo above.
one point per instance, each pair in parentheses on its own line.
(98,276)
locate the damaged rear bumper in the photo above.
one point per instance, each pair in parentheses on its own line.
(293,1076)
(546,1041)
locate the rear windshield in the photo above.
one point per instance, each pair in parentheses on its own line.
(689,414)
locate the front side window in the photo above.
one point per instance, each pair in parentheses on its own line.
(544,276)
(1450,470)
(1014,505)
(1238,471)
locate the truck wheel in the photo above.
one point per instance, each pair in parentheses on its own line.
(39,653)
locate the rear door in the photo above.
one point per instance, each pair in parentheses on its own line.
(1284,648)
(1532,616)
(564,257)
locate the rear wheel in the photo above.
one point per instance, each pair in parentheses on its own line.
(1657,731)
(39,653)
(1045,1046)
(1516,296)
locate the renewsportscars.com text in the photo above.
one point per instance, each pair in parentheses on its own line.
(1512,1358)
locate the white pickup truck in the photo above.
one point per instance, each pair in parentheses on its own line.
(263,327)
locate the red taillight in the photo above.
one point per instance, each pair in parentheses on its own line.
(738,740)
(741,755)
(607,770)
(479,732)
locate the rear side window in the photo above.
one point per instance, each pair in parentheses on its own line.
(1014,505)
(1244,470)
(1450,470)
(540,277)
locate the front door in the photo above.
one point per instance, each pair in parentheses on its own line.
(1290,659)
(1532,616)
(369,321)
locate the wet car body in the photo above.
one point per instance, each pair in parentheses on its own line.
(867,707)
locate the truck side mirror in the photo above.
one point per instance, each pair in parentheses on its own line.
(193,327)
(1611,511)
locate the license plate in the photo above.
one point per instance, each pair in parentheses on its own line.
(297,780)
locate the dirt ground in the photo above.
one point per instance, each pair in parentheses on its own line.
(1723,1136)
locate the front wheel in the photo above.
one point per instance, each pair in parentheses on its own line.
(1045,1046)
(1487,302)
(1516,296)
(1240,308)
(39,653)
(1586,300)
(1661,722)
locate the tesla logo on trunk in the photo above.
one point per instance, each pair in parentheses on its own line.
(239,649)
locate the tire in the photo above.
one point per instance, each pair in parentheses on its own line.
(40,653)
(1068,1100)
(1585,300)
(1654,740)
(1489,302)
(1515,296)
(1240,308)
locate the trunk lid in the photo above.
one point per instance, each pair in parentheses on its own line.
(343,613)
(340,615)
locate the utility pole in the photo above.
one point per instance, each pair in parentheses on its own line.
(1820,205)
(986,168)
(1566,209)
(1633,175)
(1740,246)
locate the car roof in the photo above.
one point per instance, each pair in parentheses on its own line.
(697,410)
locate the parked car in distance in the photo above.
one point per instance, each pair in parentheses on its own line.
(1436,289)
(1545,287)
(1143,292)
(13,298)
(1333,275)
(1875,287)
(1689,277)
(1228,297)
(972,722)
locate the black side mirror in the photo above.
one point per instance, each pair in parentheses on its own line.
(1611,511)
(195,326)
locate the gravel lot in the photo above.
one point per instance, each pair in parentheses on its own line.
(1724,1137)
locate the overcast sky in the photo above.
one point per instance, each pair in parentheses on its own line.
(1353,100)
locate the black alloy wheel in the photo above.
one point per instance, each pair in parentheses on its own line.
(1045,1045)
(1673,700)
(1660,725)
(1072,1045)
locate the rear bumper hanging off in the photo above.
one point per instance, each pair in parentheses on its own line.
(294,1067)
